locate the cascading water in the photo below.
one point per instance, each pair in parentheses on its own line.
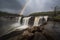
(25,20)
(46,18)
(40,20)
(25,23)
(17,24)
(36,21)
(19,19)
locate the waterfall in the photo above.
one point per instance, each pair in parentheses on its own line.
(36,21)
(17,24)
(40,20)
(19,19)
(46,18)
(24,24)
(25,20)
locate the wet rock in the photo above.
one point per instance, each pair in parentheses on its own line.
(33,33)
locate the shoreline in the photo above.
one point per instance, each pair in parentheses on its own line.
(48,32)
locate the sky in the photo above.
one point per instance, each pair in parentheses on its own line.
(16,6)
(12,6)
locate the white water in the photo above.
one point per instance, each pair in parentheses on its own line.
(25,20)
(36,21)
(19,19)
(46,18)
(17,24)
(40,21)
(25,23)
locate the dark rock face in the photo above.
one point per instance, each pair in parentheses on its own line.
(31,21)
(33,33)
(42,21)
(21,20)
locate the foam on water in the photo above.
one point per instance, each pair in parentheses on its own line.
(25,24)
(17,24)
(46,18)
(36,21)
(22,27)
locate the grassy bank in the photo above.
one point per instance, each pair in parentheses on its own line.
(49,13)
(8,14)
(57,18)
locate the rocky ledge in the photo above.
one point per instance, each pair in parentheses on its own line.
(33,33)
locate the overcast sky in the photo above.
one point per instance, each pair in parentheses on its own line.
(41,6)
(15,6)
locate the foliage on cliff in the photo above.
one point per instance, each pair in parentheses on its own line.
(7,14)
(50,13)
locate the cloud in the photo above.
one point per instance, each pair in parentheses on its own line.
(11,5)
(41,5)
(15,6)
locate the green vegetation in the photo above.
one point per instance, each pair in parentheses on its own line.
(57,17)
(7,14)
(51,13)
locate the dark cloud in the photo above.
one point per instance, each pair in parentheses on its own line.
(11,5)
(15,6)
